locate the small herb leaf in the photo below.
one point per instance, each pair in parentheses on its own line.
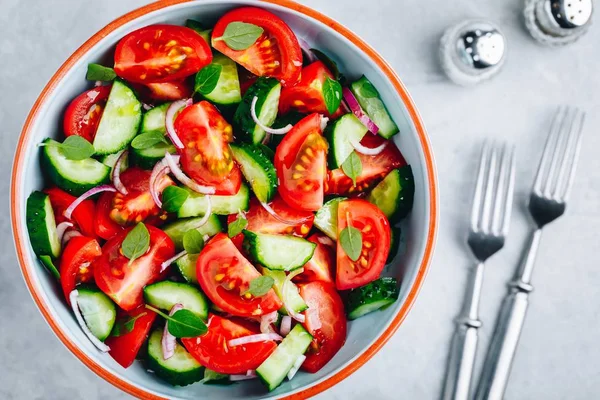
(260,286)
(47,261)
(173,198)
(237,226)
(213,377)
(76,148)
(147,140)
(351,241)
(352,167)
(193,241)
(183,323)
(332,93)
(97,72)
(240,35)
(136,242)
(125,326)
(207,79)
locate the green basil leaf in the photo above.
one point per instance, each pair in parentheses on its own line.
(207,79)
(332,93)
(260,286)
(76,148)
(237,226)
(193,242)
(125,326)
(329,63)
(352,167)
(173,198)
(185,323)
(351,241)
(97,72)
(136,242)
(240,35)
(47,262)
(147,140)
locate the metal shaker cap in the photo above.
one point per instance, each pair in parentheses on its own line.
(558,22)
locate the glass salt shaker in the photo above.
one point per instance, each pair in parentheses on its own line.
(558,22)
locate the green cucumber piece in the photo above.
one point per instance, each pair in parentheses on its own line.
(292,295)
(41,225)
(394,195)
(276,367)
(340,134)
(267,90)
(279,252)
(154,120)
(199,28)
(120,120)
(370,101)
(147,158)
(179,370)
(75,177)
(395,235)
(176,230)
(197,204)
(372,297)
(187,267)
(111,159)
(291,118)
(326,217)
(227,90)
(49,265)
(98,311)
(166,294)
(257,168)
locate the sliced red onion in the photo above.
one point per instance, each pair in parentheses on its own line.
(324,121)
(171,260)
(62,228)
(367,151)
(116,174)
(266,322)
(69,235)
(186,180)
(297,316)
(147,107)
(206,216)
(286,325)
(250,374)
(280,131)
(98,83)
(270,210)
(310,56)
(73,296)
(170,118)
(259,337)
(98,189)
(358,111)
(168,341)
(326,241)
(296,366)
(158,172)
(266,139)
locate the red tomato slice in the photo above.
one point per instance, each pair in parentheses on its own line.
(161,53)
(124,282)
(212,351)
(300,161)
(375,229)
(76,263)
(125,348)
(307,96)
(83,215)
(326,321)
(224,274)
(84,112)
(138,204)
(104,226)
(206,156)
(275,53)
(170,91)
(321,266)
(375,168)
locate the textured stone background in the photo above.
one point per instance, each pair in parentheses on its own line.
(559,351)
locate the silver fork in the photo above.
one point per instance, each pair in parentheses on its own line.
(547,202)
(490,218)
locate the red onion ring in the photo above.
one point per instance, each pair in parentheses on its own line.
(75,306)
(280,131)
(259,337)
(296,366)
(69,235)
(170,118)
(324,121)
(158,172)
(171,260)
(116,174)
(326,241)
(297,316)
(98,189)
(266,321)
(310,56)
(186,180)
(250,374)
(286,325)
(358,111)
(168,341)
(62,228)
(368,151)
(281,219)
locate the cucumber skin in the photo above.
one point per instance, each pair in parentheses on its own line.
(221,205)
(36,226)
(94,291)
(334,138)
(383,290)
(291,118)
(395,235)
(258,156)
(403,200)
(242,119)
(251,246)
(387,126)
(154,298)
(148,162)
(324,216)
(175,378)
(185,262)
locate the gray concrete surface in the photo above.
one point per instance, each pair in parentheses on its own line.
(559,352)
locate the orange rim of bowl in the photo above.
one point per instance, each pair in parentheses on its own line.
(20,235)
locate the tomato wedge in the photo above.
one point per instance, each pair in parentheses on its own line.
(300,161)
(104,226)
(161,53)
(275,53)
(325,320)
(374,168)
(375,230)
(212,351)
(124,348)
(83,114)
(321,266)
(224,274)
(76,263)
(124,281)
(83,215)
(137,204)
(206,156)
(307,96)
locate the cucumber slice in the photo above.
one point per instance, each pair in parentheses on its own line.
(340,134)
(369,100)
(275,368)
(187,267)
(279,252)
(291,118)
(147,158)
(267,90)
(372,297)
(75,177)
(395,194)
(196,204)
(41,225)
(166,294)
(154,119)
(177,229)
(395,235)
(199,28)
(326,217)
(227,90)
(180,370)
(98,310)
(292,295)
(111,159)
(120,120)
(257,168)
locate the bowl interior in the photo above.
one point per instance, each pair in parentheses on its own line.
(353,63)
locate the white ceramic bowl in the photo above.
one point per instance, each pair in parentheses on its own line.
(354,57)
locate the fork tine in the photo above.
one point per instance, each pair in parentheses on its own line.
(478,195)
(549,146)
(559,153)
(509,193)
(486,213)
(498,209)
(574,158)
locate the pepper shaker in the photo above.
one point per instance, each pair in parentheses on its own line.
(557,22)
